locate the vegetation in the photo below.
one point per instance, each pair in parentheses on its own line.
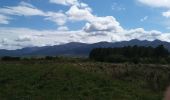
(8,58)
(80,79)
(66,78)
(133,54)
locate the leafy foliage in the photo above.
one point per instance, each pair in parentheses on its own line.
(130,54)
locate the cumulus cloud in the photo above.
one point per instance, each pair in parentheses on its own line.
(156,3)
(141,34)
(96,29)
(16,38)
(95,23)
(78,14)
(65,2)
(78,11)
(107,23)
(58,17)
(166,14)
(101,24)
(28,37)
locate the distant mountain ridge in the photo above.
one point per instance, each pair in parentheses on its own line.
(78,49)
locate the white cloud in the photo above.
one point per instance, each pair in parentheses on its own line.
(95,23)
(156,3)
(4,19)
(26,9)
(58,17)
(105,28)
(23,9)
(144,19)
(141,34)
(78,14)
(24,38)
(107,23)
(62,28)
(166,14)
(15,38)
(78,11)
(65,2)
(29,37)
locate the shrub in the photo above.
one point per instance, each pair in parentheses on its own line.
(8,58)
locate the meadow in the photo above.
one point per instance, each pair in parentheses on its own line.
(81,79)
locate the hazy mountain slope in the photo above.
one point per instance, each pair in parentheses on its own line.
(77,49)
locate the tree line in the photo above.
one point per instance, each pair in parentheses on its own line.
(134,54)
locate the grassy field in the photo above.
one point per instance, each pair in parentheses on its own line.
(52,80)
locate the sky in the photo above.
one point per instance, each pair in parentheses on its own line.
(29,23)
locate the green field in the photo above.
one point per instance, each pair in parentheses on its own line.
(53,80)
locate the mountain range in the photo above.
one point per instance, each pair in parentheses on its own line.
(78,49)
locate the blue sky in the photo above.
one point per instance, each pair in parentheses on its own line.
(128,13)
(52,22)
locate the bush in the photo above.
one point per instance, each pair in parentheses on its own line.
(7,58)
(115,59)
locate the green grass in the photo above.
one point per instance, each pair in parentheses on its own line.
(79,81)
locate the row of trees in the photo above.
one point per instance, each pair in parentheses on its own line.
(45,58)
(9,58)
(129,53)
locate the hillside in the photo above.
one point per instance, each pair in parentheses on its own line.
(77,49)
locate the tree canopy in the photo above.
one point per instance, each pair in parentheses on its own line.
(128,53)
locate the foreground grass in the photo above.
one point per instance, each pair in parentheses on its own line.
(81,81)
